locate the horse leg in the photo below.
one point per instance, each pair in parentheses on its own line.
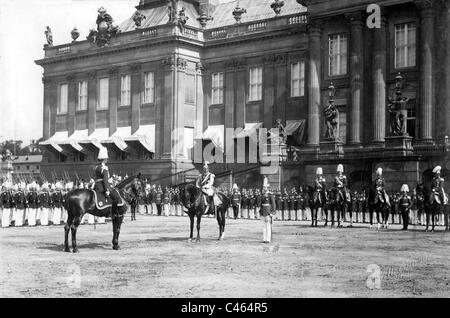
(66,233)
(312,216)
(221,222)
(117,223)
(199,219)
(73,229)
(191,218)
(427,216)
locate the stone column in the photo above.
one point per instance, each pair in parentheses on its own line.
(72,103)
(167,106)
(446,71)
(379,82)
(92,101)
(179,124)
(426,70)
(356,75)
(113,99)
(314,75)
(47,109)
(135,97)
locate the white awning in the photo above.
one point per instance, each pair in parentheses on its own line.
(250,130)
(145,135)
(54,141)
(215,133)
(118,138)
(98,136)
(77,137)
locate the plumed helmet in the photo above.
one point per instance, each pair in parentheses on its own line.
(340,168)
(319,171)
(404,188)
(101,10)
(266,182)
(206,165)
(235,187)
(103,153)
(437,169)
(379,171)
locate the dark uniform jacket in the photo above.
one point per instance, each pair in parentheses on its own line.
(101,179)
(236,198)
(267,205)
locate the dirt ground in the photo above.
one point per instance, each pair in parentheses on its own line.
(156,260)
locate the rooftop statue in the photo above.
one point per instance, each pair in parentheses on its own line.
(49,36)
(105,29)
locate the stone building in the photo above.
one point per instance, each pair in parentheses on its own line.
(167,85)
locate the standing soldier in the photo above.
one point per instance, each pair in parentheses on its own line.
(159,200)
(405,205)
(278,204)
(6,199)
(302,203)
(354,205)
(57,200)
(251,204)
(420,202)
(235,201)
(244,199)
(20,201)
(284,204)
(166,202)
(45,204)
(267,212)
(257,203)
(294,203)
(33,203)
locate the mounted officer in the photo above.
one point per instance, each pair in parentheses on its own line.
(340,182)
(101,179)
(437,187)
(320,186)
(379,191)
(205,182)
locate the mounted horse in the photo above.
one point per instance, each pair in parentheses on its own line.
(82,201)
(337,203)
(436,199)
(318,197)
(192,199)
(379,201)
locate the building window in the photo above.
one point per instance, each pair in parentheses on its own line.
(149,87)
(342,126)
(337,55)
(28,167)
(82,95)
(63,98)
(188,142)
(255,85)
(217,88)
(411,120)
(189,97)
(125,90)
(405,45)
(103,94)
(298,79)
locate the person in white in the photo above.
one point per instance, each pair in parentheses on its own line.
(205,182)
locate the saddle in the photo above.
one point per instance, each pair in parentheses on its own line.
(216,200)
(102,202)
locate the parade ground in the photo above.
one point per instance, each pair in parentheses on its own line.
(156,260)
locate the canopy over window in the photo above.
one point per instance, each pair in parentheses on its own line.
(215,133)
(145,135)
(98,136)
(250,130)
(118,138)
(58,138)
(77,137)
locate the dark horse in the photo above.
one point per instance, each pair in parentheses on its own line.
(337,203)
(192,199)
(81,201)
(378,205)
(317,199)
(432,208)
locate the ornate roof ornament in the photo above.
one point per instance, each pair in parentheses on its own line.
(105,29)
(137,18)
(49,36)
(75,34)
(204,18)
(276,6)
(238,12)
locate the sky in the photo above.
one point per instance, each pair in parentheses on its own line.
(22,26)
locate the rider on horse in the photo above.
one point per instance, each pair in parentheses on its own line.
(437,187)
(320,186)
(378,186)
(340,183)
(205,182)
(101,179)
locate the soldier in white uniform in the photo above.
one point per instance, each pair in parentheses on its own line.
(206,183)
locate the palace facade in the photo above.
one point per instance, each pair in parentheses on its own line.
(165,86)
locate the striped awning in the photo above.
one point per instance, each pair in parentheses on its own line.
(145,135)
(54,141)
(77,137)
(215,133)
(250,130)
(98,136)
(118,138)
